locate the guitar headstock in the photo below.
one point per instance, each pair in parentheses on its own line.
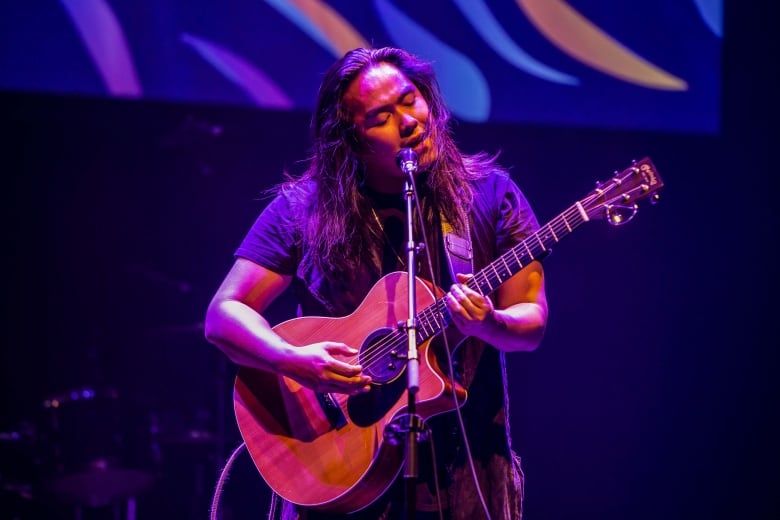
(616,199)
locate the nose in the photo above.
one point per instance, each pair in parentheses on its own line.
(408,124)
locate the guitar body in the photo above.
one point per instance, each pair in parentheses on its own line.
(330,451)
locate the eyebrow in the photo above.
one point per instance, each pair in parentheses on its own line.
(387,106)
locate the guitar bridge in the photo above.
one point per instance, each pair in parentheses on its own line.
(332,410)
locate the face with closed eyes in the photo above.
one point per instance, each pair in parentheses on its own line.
(389,114)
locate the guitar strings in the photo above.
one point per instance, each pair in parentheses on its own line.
(394,339)
(559,226)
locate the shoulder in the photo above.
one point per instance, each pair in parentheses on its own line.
(485,173)
(493,186)
(296,194)
(494,178)
(498,197)
(290,202)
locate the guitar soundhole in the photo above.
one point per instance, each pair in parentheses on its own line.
(383,355)
(367,409)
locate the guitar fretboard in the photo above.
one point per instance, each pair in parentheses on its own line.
(435,317)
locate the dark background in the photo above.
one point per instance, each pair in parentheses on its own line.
(653,394)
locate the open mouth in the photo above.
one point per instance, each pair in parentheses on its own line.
(416,142)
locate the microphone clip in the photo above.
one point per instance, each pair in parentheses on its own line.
(406,160)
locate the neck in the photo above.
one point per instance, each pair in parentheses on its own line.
(395,185)
(382,200)
(386,186)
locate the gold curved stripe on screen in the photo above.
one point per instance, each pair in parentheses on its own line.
(338,31)
(580,38)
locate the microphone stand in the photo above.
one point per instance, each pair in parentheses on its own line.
(407,160)
(412,364)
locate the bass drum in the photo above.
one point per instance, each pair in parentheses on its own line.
(96,453)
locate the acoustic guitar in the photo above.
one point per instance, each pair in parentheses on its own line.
(334,452)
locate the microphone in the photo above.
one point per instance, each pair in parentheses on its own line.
(407,161)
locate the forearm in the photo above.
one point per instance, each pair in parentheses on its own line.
(519,327)
(244,335)
(248,340)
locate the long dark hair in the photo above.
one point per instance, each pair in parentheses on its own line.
(332,205)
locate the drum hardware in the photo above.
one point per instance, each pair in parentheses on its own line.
(91,460)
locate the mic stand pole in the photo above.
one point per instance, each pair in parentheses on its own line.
(414,426)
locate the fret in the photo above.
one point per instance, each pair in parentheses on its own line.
(437,316)
(563,217)
(539,239)
(485,281)
(514,253)
(530,254)
(555,237)
(424,325)
(441,313)
(508,271)
(424,330)
(498,276)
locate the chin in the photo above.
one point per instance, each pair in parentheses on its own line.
(426,159)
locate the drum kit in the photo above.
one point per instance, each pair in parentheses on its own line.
(146,445)
(88,454)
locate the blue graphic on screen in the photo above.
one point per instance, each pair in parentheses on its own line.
(651,65)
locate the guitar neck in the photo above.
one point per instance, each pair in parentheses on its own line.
(614,200)
(436,317)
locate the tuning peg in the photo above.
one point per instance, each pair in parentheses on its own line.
(655,198)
